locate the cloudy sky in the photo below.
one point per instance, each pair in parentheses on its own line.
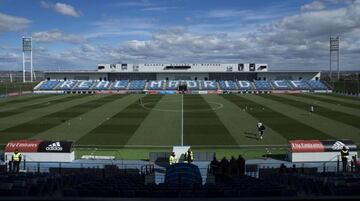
(73,35)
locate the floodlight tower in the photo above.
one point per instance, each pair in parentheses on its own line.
(335,49)
(27,57)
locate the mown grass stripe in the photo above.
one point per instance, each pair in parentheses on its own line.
(17,119)
(119,129)
(162,126)
(336,98)
(81,125)
(356,98)
(26,108)
(284,125)
(201,124)
(335,129)
(323,111)
(241,125)
(35,126)
(26,98)
(331,106)
(330,101)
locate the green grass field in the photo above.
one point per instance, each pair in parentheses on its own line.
(119,125)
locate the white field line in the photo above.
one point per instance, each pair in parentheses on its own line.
(182,120)
(199,146)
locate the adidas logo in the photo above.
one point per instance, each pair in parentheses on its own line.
(54,147)
(337,145)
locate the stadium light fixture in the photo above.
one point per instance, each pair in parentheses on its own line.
(27,57)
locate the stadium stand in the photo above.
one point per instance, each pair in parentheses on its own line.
(241,85)
(313,183)
(227,85)
(181,180)
(67,85)
(281,84)
(183,175)
(156,85)
(192,85)
(39,184)
(172,84)
(137,85)
(317,85)
(208,85)
(262,85)
(83,85)
(120,85)
(245,85)
(299,85)
(49,85)
(100,85)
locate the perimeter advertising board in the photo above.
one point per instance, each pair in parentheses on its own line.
(167,92)
(319,150)
(41,150)
(48,92)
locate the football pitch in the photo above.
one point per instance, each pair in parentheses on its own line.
(130,126)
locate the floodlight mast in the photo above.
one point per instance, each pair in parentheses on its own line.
(27,57)
(335,48)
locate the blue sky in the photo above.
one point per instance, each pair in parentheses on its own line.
(79,34)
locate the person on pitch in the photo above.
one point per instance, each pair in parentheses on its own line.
(261,128)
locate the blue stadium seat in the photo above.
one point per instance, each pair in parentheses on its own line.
(281,84)
(137,85)
(172,84)
(208,85)
(227,85)
(155,85)
(101,85)
(192,85)
(83,85)
(262,85)
(49,85)
(183,174)
(67,85)
(317,85)
(245,85)
(119,85)
(299,85)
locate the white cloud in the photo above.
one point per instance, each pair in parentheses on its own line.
(12,23)
(224,13)
(244,15)
(315,5)
(295,41)
(133,3)
(66,9)
(56,35)
(88,48)
(62,8)
(299,41)
(9,57)
(45,4)
(159,8)
(121,27)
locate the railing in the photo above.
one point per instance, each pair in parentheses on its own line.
(160,178)
(323,166)
(30,166)
(327,166)
(147,169)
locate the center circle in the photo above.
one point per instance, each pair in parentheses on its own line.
(214,106)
